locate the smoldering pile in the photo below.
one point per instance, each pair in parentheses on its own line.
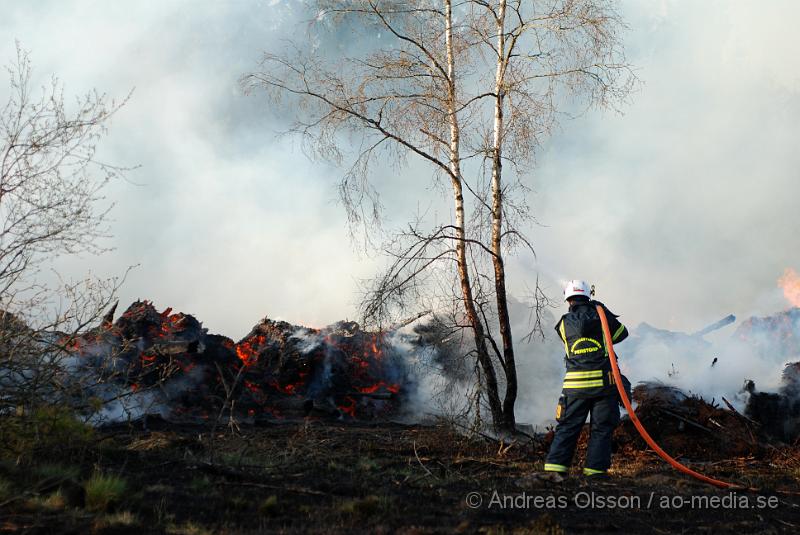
(151,363)
(689,425)
(163,363)
(779,412)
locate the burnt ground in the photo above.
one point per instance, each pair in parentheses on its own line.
(321,477)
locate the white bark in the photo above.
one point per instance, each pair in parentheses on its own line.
(492,393)
(497,222)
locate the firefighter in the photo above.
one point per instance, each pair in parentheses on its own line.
(588,384)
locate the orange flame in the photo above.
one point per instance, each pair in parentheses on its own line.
(73,344)
(371,389)
(790,284)
(247,350)
(252,387)
(349,408)
(286,389)
(170,323)
(394,389)
(186,367)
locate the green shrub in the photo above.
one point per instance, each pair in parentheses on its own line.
(367,465)
(189,528)
(42,433)
(112,520)
(200,484)
(54,501)
(240,503)
(366,506)
(6,489)
(269,507)
(103,491)
(56,471)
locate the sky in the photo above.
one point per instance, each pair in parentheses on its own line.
(681,210)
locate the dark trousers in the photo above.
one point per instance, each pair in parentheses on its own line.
(605,417)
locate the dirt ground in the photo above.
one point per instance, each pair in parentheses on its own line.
(331,477)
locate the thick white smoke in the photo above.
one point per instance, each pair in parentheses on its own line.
(712,369)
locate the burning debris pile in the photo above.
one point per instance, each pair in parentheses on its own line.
(163,363)
(339,369)
(167,364)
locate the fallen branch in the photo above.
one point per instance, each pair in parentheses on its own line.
(737,413)
(684,419)
(419,461)
(290,488)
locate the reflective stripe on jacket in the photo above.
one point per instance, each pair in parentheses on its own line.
(586,357)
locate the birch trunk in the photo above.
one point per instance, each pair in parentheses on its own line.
(492,394)
(497,226)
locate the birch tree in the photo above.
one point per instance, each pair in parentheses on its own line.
(467,87)
(51,204)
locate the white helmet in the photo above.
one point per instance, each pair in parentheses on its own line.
(577,287)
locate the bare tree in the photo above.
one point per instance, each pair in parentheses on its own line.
(467,87)
(51,186)
(573,47)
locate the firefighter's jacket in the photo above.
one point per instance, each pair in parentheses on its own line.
(588,367)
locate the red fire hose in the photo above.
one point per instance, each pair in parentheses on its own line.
(642,431)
